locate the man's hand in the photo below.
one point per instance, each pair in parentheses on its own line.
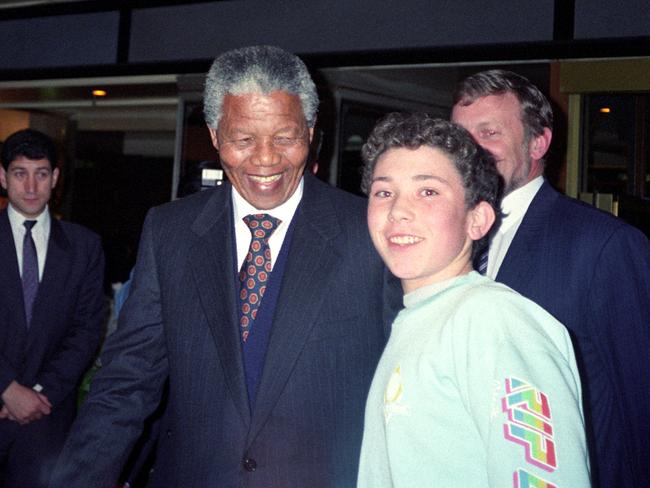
(4,413)
(23,404)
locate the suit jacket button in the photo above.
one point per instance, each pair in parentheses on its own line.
(250,464)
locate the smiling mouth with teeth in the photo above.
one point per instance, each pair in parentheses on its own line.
(265,179)
(405,240)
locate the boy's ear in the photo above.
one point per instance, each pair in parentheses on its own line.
(480,221)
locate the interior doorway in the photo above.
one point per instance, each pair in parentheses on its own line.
(116,139)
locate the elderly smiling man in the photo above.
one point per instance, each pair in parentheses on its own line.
(261,301)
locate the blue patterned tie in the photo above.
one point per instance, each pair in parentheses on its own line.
(482,263)
(30,270)
(256,269)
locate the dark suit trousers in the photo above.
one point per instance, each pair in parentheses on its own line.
(29,452)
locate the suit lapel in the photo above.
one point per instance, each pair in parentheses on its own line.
(528,241)
(312,254)
(12,288)
(212,267)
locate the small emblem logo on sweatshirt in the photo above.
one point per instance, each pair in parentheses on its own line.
(393,396)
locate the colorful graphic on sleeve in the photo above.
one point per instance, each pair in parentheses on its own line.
(523,479)
(529,425)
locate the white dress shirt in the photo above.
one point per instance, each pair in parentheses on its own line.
(285,212)
(513,207)
(40,234)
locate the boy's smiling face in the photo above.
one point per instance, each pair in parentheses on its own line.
(418,219)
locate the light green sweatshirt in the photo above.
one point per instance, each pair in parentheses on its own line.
(477,387)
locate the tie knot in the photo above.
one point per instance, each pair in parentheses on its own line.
(261,225)
(29,224)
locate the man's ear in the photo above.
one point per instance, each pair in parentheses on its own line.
(3,177)
(214,137)
(55,176)
(311,134)
(539,145)
(480,220)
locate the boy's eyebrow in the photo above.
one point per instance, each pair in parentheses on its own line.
(426,177)
(380,178)
(422,177)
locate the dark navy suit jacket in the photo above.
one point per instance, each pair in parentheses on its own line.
(180,321)
(64,334)
(592,272)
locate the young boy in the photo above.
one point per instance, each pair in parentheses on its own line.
(477,386)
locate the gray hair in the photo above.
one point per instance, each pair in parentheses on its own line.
(536,111)
(258,69)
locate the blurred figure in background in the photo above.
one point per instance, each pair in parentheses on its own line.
(51,312)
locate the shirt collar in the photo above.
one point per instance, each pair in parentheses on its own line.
(284,212)
(419,295)
(515,204)
(16,219)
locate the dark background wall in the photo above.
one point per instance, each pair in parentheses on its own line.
(202,30)
(128,33)
(596,19)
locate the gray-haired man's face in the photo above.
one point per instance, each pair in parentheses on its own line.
(263,142)
(495,123)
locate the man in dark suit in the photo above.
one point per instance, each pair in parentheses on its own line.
(51,304)
(271,397)
(586,267)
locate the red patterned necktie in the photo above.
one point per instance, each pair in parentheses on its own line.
(256,269)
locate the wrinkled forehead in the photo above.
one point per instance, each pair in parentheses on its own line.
(272,108)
